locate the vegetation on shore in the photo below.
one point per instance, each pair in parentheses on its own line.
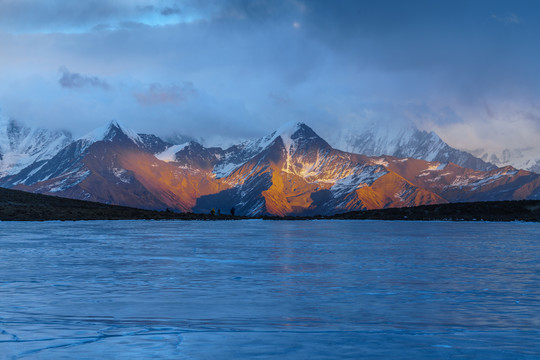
(514,210)
(23,206)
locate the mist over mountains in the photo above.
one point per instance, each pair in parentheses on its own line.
(405,140)
(290,171)
(525,158)
(21,146)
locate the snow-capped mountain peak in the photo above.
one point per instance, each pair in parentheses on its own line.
(116,132)
(288,131)
(293,136)
(407,141)
(110,132)
(292,133)
(21,146)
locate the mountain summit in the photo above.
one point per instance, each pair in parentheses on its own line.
(112,132)
(295,135)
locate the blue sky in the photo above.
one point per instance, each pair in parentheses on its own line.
(226,70)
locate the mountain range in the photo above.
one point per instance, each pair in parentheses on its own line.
(291,171)
(404,139)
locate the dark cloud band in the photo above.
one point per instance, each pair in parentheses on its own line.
(73,80)
(156,94)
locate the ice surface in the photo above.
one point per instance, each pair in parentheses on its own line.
(269,289)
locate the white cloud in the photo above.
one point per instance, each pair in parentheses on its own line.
(254,69)
(510,18)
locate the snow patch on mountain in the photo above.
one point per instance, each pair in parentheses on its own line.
(476,181)
(237,155)
(404,193)
(121,175)
(433,167)
(169,155)
(360,177)
(69,180)
(225,169)
(380,161)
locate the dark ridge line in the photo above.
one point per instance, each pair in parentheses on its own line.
(509,210)
(16,205)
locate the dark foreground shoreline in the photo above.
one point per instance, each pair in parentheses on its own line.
(517,210)
(18,205)
(23,206)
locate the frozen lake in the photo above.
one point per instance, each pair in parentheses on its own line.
(269,289)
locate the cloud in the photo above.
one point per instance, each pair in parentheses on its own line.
(254,69)
(280,99)
(156,94)
(170,11)
(60,16)
(72,80)
(511,18)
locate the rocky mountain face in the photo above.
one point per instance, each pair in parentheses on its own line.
(291,171)
(407,141)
